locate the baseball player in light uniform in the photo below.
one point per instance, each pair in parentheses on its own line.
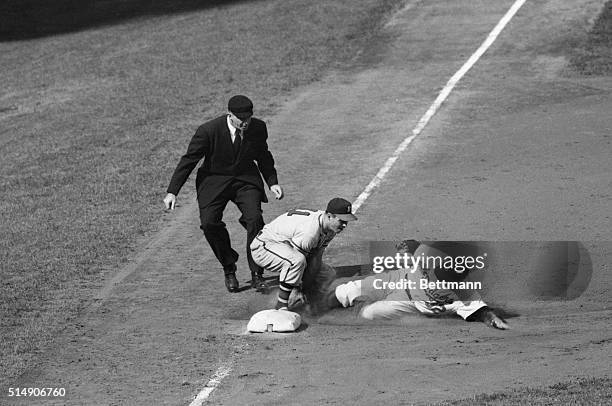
(295,241)
(385,296)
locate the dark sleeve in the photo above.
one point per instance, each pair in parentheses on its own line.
(197,149)
(265,161)
(479,315)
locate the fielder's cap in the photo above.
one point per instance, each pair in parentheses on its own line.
(341,208)
(241,106)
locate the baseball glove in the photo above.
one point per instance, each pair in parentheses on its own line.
(297,299)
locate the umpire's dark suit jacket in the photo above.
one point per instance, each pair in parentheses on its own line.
(212,141)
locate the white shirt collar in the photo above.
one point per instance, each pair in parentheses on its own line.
(231,128)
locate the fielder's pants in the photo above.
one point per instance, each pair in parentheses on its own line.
(279,257)
(395,303)
(247,198)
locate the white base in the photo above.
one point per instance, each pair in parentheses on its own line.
(278,321)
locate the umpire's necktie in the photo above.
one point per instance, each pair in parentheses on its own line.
(237,141)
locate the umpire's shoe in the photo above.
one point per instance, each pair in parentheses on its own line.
(259,284)
(231,283)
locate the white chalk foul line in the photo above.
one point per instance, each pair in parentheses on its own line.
(226,367)
(223,371)
(375,182)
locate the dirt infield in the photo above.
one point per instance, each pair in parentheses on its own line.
(519,152)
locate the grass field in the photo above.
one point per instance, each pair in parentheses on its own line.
(95,118)
(594,56)
(595,391)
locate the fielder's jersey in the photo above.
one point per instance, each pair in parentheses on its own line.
(301,228)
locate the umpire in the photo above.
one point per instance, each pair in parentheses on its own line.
(230,145)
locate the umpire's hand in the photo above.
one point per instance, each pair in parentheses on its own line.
(170,201)
(278,191)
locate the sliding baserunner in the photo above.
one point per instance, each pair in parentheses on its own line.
(425,287)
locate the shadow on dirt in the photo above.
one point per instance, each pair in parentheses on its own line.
(272,282)
(28,19)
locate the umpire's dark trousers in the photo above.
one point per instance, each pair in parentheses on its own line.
(247,198)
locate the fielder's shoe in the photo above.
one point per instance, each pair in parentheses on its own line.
(259,284)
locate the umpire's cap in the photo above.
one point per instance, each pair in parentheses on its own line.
(241,106)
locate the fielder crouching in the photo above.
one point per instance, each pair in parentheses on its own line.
(396,293)
(294,242)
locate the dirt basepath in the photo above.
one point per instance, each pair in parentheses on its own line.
(493,164)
